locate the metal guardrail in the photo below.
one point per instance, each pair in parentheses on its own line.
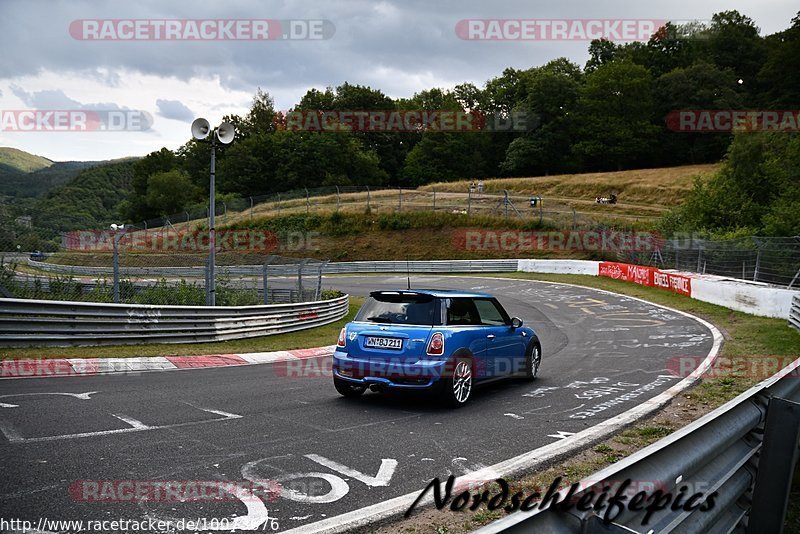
(442,266)
(432,266)
(794,312)
(25,322)
(725,451)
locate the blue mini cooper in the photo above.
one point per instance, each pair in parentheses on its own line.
(441,341)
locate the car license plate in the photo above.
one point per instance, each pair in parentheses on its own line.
(384,343)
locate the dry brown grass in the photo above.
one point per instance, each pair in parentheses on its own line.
(662,187)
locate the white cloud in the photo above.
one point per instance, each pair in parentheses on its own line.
(398,46)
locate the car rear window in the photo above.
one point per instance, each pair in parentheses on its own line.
(398,308)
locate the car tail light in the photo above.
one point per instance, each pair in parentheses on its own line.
(436,345)
(341,342)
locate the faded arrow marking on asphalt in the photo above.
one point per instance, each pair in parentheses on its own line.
(385,472)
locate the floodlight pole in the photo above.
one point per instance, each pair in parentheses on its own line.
(211,288)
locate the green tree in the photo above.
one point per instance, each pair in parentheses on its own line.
(703,86)
(551,110)
(616,109)
(780,75)
(170,192)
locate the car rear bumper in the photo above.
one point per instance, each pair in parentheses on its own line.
(388,374)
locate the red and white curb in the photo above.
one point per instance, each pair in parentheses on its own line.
(38,368)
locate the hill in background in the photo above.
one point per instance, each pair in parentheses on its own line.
(14,160)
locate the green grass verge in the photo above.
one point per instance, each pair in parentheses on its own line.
(303,339)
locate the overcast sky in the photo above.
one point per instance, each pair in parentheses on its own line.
(398,46)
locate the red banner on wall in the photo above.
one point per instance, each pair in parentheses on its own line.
(647,276)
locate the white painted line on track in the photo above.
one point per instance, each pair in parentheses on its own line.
(131,421)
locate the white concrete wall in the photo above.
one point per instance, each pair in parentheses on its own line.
(756,299)
(753,298)
(591,268)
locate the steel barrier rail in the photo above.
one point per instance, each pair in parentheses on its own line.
(25,322)
(433,266)
(794,312)
(720,452)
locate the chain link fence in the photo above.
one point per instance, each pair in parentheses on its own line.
(771,260)
(180,278)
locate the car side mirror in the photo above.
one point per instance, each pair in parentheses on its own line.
(516,322)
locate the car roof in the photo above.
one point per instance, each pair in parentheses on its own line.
(440,293)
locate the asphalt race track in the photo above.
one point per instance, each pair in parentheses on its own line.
(321,455)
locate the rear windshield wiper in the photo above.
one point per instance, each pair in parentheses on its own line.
(379,320)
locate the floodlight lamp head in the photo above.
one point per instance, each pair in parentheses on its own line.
(200,129)
(226,133)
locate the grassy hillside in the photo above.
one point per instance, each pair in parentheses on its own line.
(22,161)
(652,188)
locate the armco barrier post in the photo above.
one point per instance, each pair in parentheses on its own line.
(319,280)
(266,277)
(775,466)
(300,279)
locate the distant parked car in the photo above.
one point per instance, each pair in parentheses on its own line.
(37,255)
(432,340)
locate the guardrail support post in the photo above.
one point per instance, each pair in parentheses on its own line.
(400,199)
(469,202)
(300,280)
(308,202)
(251,208)
(368,206)
(775,466)
(319,280)
(266,277)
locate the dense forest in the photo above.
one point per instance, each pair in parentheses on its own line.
(608,114)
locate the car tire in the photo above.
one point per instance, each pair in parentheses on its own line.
(533,359)
(459,382)
(348,390)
